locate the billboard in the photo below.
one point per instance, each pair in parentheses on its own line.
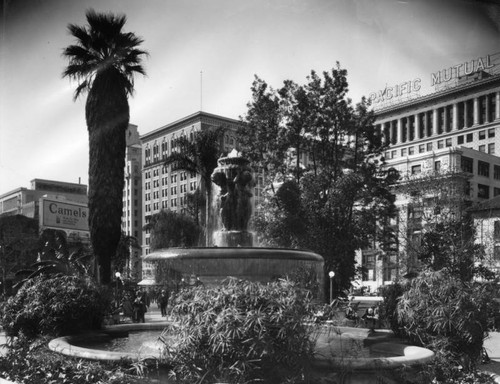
(64,215)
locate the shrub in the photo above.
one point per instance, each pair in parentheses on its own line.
(53,305)
(388,307)
(240,331)
(449,316)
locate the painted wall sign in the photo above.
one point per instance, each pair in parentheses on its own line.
(59,214)
(467,68)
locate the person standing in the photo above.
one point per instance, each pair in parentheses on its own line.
(139,308)
(163,301)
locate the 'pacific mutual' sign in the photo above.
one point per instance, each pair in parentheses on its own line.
(439,78)
(63,215)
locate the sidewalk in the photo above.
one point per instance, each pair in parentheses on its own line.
(492,346)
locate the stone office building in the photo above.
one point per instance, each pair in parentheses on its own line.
(452,131)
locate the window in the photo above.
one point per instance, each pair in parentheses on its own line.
(491,133)
(491,148)
(429,146)
(403,152)
(482,148)
(440,144)
(437,166)
(421,148)
(411,151)
(496,253)
(460,139)
(448,142)
(416,169)
(467,164)
(496,172)
(483,191)
(393,154)
(482,135)
(496,192)
(469,137)
(483,168)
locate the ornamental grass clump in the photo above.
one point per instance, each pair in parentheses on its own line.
(240,332)
(450,317)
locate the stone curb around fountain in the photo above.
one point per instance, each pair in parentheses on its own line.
(65,345)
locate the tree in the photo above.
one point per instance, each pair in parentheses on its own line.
(437,230)
(171,229)
(323,164)
(58,256)
(200,156)
(122,258)
(104,61)
(18,244)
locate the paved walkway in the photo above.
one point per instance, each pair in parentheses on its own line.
(492,346)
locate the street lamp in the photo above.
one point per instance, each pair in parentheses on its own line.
(117,287)
(331,274)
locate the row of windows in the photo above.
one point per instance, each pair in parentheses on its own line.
(444,143)
(467,165)
(161,150)
(182,201)
(422,124)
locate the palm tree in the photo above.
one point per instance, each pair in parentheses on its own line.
(104,61)
(199,156)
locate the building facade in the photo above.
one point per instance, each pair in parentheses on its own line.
(486,217)
(164,187)
(454,131)
(25,201)
(132,201)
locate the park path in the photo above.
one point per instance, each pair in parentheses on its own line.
(492,346)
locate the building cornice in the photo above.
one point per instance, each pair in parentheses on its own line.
(199,116)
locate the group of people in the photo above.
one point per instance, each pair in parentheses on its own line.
(370,317)
(135,306)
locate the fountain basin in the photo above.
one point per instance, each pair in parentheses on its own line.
(389,354)
(68,345)
(214,264)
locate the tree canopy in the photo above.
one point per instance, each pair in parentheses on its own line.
(322,161)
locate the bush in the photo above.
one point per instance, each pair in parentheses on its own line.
(388,307)
(240,331)
(54,305)
(448,316)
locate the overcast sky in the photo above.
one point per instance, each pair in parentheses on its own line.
(380,42)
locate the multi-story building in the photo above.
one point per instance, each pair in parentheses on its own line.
(487,222)
(132,200)
(453,131)
(25,201)
(164,187)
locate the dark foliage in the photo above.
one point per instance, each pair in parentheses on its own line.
(53,305)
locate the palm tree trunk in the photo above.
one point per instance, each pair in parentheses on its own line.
(107,115)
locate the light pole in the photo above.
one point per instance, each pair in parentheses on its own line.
(117,295)
(331,274)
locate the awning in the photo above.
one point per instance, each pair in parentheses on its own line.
(146,282)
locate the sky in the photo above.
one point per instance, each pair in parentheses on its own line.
(204,54)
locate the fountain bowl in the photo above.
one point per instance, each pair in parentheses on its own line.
(214,264)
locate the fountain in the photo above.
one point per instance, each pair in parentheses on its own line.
(233,254)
